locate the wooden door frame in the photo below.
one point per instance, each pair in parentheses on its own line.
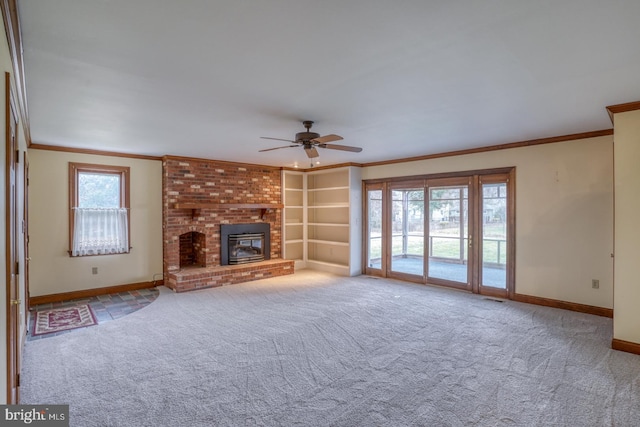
(453,181)
(381,272)
(509,291)
(473,177)
(25,229)
(400,185)
(12,302)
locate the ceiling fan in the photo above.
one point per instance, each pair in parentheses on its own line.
(310,140)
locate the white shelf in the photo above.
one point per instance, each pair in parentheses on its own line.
(332,206)
(328,251)
(311,190)
(293,197)
(294,250)
(328,215)
(329,178)
(329,224)
(334,196)
(294,217)
(294,181)
(328,242)
(336,233)
(330,267)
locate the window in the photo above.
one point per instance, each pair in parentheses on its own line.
(99,209)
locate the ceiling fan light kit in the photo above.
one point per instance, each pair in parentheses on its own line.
(310,140)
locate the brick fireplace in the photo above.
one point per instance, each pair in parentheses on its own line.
(201,195)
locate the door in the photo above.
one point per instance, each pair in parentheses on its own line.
(25,230)
(407,219)
(450,232)
(11,247)
(375,239)
(464,224)
(495,228)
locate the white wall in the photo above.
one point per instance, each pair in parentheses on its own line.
(52,270)
(564,213)
(626,317)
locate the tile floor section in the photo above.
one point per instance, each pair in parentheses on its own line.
(105,307)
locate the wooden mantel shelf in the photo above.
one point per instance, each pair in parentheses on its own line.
(227,205)
(264,207)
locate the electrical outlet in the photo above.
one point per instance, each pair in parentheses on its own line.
(595,283)
(94,270)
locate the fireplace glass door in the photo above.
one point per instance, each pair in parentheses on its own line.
(245,248)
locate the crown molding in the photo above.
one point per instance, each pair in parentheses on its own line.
(528,143)
(14,39)
(317,168)
(230,163)
(622,108)
(93,152)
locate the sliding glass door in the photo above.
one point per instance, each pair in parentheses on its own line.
(494,229)
(407,231)
(453,231)
(374,236)
(449,235)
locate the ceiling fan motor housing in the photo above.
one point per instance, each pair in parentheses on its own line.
(306,136)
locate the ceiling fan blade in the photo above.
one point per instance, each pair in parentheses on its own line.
(276,139)
(277,148)
(341,147)
(311,152)
(327,138)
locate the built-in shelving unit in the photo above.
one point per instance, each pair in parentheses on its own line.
(294,217)
(331,226)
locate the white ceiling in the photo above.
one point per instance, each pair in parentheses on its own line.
(398,78)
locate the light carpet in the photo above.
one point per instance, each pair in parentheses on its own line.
(313,349)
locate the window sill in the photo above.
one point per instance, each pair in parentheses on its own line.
(90,255)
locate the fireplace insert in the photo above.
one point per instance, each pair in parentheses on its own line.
(246,247)
(244,243)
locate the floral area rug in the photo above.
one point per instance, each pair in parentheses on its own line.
(62,319)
